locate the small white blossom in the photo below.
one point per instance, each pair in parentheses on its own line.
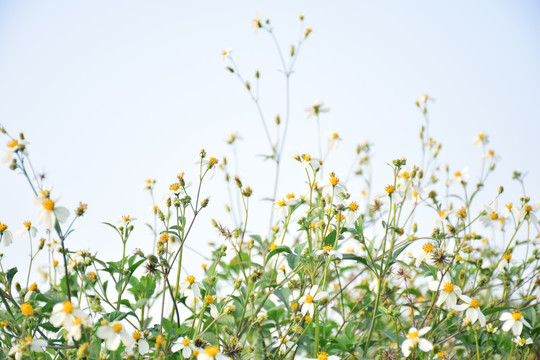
(186,345)
(448,291)
(514,321)
(307,300)
(414,339)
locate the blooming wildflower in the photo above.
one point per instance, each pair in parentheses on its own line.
(140,343)
(528,211)
(185,344)
(491,329)
(18,350)
(425,254)
(332,185)
(481,139)
(352,214)
(460,176)
(49,212)
(514,321)
(211,353)
(208,166)
(281,208)
(70,317)
(14,146)
(209,299)
(390,191)
(448,291)
(333,140)
(256,23)
(307,161)
(472,307)
(193,302)
(521,341)
(490,155)
(27,309)
(114,334)
(443,215)
(282,272)
(510,209)
(191,282)
(316,109)
(283,344)
(414,339)
(327,249)
(27,228)
(414,192)
(505,261)
(5,235)
(226,54)
(324,356)
(307,301)
(492,216)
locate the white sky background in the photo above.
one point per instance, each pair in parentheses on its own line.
(111,93)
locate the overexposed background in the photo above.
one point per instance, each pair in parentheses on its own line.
(111,93)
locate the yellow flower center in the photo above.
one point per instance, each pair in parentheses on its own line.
(427,247)
(32,287)
(412,335)
(441,354)
(327,248)
(481,136)
(333,179)
(55,263)
(284,340)
(77,321)
(126,218)
(27,309)
(309,299)
(27,224)
(272,246)
(48,205)
(528,208)
(491,153)
(159,339)
(281,203)
(137,335)
(213,161)
(174,187)
(353,206)
(507,257)
(117,327)
(442,213)
(67,307)
(494,216)
(322,356)
(186,341)
(190,279)
(516,315)
(475,303)
(211,351)
(306,157)
(290,196)
(209,299)
(307,319)
(449,287)
(457,174)
(27,341)
(3,227)
(335,136)
(195,354)
(405,175)
(389,189)
(282,268)
(12,143)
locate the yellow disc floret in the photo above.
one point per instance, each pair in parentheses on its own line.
(48,204)
(211,351)
(516,315)
(428,247)
(117,327)
(449,287)
(190,279)
(322,356)
(67,307)
(309,299)
(27,309)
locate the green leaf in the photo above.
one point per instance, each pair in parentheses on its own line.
(10,274)
(292,260)
(496,310)
(277,250)
(283,295)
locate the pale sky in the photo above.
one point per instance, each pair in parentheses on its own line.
(111,93)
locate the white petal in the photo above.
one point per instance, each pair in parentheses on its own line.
(425,345)
(505,316)
(508,324)
(143,347)
(113,342)
(423,331)
(406,347)
(186,352)
(61,213)
(517,327)
(104,332)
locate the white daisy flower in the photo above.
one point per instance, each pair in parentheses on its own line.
(391,192)
(5,235)
(443,215)
(49,212)
(307,161)
(114,334)
(208,166)
(521,341)
(140,343)
(333,140)
(316,109)
(510,209)
(225,54)
(18,350)
(282,272)
(424,254)
(491,329)
(514,321)
(529,210)
(209,299)
(283,344)
(14,146)
(460,176)
(490,155)
(71,318)
(448,291)
(27,228)
(473,312)
(211,353)
(307,300)
(332,185)
(414,339)
(281,208)
(175,190)
(492,216)
(185,345)
(327,250)
(256,23)
(481,139)
(191,283)
(352,213)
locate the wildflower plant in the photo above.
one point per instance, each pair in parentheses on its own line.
(416,267)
